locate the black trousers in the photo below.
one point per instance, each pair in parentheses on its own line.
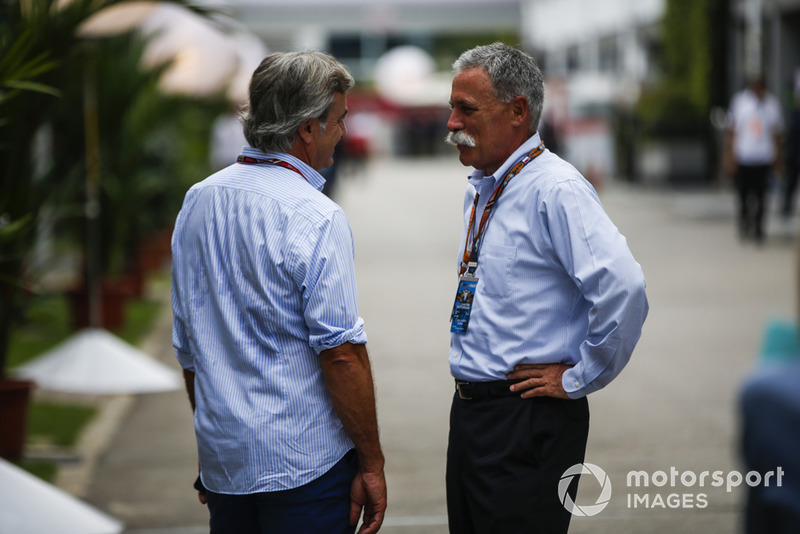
(504,460)
(751,184)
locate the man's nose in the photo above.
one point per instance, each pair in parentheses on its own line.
(454,123)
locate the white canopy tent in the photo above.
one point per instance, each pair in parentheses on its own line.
(202,58)
(95,362)
(204,55)
(406,76)
(32,506)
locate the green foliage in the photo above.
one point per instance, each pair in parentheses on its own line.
(693,63)
(42,469)
(54,424)
(141,315)
(20,66)
(447,48)
(686,49)
(46,324)
(150,145)
(669,111)
(36,37)
(146,155)
(147,141)
(57,424)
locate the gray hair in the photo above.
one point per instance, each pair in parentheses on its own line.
(288,89)
(512,72)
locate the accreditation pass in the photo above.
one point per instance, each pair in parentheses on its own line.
(462,307)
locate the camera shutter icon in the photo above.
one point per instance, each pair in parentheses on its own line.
(602,499)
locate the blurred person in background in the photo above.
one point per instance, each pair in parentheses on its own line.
(769,415)
(769,407)
(752,151)
(266,323)
(792,153)
(227,139)
(331,174)
(549,306)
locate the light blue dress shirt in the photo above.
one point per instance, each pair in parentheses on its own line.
(557,282)
(262,282)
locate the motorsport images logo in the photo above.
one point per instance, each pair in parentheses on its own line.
(686,489)
(585,510)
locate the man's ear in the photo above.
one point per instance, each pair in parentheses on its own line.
(519,111)
(306,131)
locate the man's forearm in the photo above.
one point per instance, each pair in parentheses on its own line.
(348,376)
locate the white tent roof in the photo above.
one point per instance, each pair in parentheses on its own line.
(202,58)
(406,76)
(32,506)
(202,53)
(94,361)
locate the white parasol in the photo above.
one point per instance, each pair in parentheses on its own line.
(116,19)
(202,58)
(406,75)
(95,362)
(32,506)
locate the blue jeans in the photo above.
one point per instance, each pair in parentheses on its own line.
(319,507)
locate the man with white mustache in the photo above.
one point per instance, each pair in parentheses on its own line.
(549,305)
(460,138)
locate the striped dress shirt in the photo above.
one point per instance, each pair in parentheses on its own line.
(262,282)
(557,282)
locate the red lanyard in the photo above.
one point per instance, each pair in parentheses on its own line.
(471,254)
(273,161)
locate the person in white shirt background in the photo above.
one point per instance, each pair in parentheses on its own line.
(752,151)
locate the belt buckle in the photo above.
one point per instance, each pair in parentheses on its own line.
(461,394)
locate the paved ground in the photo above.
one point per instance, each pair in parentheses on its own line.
(673,407)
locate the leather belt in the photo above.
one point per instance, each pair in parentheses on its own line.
(494,389)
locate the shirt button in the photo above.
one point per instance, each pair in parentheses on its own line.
(577,384)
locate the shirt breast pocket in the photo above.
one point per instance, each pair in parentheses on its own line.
(496,263)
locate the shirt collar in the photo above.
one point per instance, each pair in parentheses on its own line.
(313,177)
(477,177)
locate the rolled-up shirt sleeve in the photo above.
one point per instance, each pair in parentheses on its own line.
(597,258)
(180,343)
(325,273)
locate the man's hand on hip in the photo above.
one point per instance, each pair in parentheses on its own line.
(539,380)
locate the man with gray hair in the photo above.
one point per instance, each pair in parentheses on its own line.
(266,321)
(549,306)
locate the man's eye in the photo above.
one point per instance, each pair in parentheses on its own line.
(467,110)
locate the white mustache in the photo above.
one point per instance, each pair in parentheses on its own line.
(459,137)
